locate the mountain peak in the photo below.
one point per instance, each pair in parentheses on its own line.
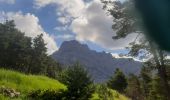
(100,65)
(73,45)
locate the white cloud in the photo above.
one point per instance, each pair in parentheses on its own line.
(116,55)
(65,37)
(7,1)
(61,28)
(29,24)
(72,8)
(95,26)
(89,22)
(63,20)
(43,3)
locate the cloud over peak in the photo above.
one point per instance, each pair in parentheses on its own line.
(88,21)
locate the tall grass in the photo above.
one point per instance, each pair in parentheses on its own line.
(26,83)
(116,96)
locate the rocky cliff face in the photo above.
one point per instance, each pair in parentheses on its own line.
(100,65)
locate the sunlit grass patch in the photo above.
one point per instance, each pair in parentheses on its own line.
(27,83)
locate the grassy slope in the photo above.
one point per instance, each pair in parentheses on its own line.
(26,83)
(116,95)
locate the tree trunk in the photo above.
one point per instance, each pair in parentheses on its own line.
(160,65)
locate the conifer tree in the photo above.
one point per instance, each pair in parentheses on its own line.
(78,82)
(118,81)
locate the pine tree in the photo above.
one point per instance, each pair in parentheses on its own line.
(24,54)
(15,47)
(78,82)
(118,81)
(134,90)
(146,79)
(157,90)
(39,56)
(53,69)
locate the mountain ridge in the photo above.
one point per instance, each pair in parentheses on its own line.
(101,65)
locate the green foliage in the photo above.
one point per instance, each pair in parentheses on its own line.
(78,82)
(118,81)
(157,90)
(15,47)
(147,86)
(38,56)
(104,93)
(146,79)
(125,17)
(53,68)
(2,97)
(113,96)
(47,95)
(27,83)
(24,54)
(126,22)
(30,84)
(134,90)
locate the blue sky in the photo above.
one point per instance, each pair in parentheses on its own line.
(63,20)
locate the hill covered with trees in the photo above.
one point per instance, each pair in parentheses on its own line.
(26,66)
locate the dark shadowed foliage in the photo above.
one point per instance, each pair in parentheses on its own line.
(24,54)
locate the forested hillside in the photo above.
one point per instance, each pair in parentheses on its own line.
(76,32)
(26,66)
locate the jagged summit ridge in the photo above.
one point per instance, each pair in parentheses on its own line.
(100,65)
(73,44)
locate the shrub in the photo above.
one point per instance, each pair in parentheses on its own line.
(78,82)
(47,95)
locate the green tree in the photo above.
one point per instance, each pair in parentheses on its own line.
(118,81)
(127,21)
(146,79)
(134,90)
(15,47)
(54,68)
(22,53)
(39,56)
(168,73)
(157,90)
(78,82)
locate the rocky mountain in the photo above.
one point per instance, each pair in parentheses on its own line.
(100,65)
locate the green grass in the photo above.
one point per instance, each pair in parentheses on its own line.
(2,97)
(116,96)
(26,83)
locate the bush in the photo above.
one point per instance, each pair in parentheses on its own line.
(104,92)
(118,81)
(47,95)
(78,82)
